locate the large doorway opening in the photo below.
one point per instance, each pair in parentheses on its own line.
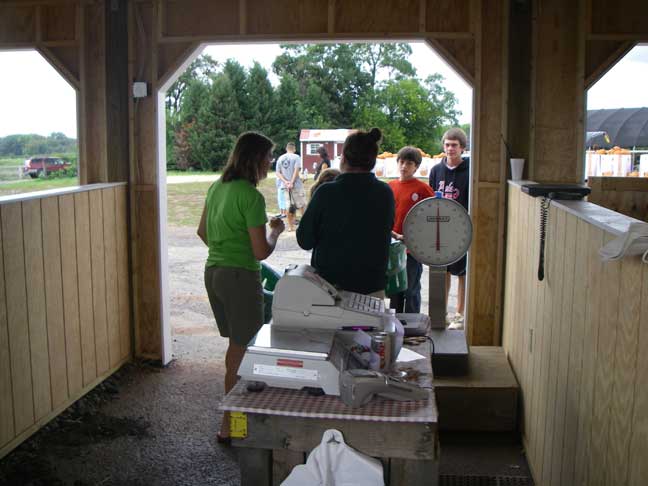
(616,138)
(38,125)
(274,90)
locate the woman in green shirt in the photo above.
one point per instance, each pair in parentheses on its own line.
(233,226)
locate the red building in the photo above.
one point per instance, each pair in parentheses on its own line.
(310,139)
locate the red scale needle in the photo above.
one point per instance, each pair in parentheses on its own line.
(438,238)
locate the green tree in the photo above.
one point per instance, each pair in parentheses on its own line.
(201,69)
(392,58)
(334,70)
(409,113)
(260,96)
(179,149)
(289,114)
(219,121)
(238,79)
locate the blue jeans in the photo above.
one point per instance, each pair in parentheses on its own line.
(409,301)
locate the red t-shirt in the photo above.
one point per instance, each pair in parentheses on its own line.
(406,195)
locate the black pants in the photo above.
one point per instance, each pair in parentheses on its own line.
(409,301)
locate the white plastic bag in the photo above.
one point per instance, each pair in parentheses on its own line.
(632,242)
(333,463)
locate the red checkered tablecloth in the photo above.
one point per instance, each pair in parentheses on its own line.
(298,403)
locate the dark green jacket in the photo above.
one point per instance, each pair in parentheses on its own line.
(348,226)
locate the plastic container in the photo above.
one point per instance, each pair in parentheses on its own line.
(396,269)
(269,279)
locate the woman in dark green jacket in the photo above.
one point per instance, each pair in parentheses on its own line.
(348,222)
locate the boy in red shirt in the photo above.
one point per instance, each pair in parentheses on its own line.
(408,190)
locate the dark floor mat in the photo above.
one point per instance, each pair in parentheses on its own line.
(453,480)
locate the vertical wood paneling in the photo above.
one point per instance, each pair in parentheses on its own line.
(638,466)
(97,248)
(70,284)
(594,279)
(583,375)
(84,266)
(534,328)
(6,401)
(54,300)
(625,361)
(519,284)
(528,322)
(564,354)
(605,370)
(509,288)
(121,231)
(539,328)
(52,250)
(547,317)
(17,320)
(36,307)
(555,282)
(574,379)
(112,297)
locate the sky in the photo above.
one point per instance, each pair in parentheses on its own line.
(34,98)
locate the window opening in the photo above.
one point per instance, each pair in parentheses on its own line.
(38,125)
(616,138)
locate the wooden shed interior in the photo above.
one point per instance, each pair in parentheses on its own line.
(577,355)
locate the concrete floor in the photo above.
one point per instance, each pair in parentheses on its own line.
(157,426)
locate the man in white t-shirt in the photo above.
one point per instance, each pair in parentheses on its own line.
(292,189)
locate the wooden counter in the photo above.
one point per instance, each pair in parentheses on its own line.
(283,426)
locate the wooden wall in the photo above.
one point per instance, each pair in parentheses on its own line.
(577,342)
(625,195)
(64,301)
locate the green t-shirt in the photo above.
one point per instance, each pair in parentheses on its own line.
(232,208)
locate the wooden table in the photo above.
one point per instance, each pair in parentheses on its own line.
(283,426)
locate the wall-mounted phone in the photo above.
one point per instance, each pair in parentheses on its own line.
(550,192)
(557,191)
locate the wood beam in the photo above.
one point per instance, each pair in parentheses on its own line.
(601,56)
(117,91)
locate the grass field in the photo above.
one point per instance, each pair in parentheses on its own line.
(31,185)
(15,161)
(185,201)
(191,172)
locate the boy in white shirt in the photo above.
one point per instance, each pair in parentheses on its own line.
(288,168)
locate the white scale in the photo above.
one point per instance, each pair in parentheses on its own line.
(437,232)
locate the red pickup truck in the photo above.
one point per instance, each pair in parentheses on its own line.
(35,166)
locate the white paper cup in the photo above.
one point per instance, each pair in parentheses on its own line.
(517,168)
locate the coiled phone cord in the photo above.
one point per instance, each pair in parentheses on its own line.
(544,215)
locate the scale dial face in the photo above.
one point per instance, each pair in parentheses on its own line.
(437,231)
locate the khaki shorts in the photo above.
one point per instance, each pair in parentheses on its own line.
(236,299)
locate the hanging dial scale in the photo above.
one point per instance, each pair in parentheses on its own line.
(437,232)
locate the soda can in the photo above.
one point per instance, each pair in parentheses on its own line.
(381,343)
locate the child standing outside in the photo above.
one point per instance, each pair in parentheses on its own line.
(452,178)
(408,190)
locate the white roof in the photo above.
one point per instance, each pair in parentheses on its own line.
(324,135)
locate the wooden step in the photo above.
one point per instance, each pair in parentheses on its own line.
(484,400)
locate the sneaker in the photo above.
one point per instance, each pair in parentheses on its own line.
(457,322)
